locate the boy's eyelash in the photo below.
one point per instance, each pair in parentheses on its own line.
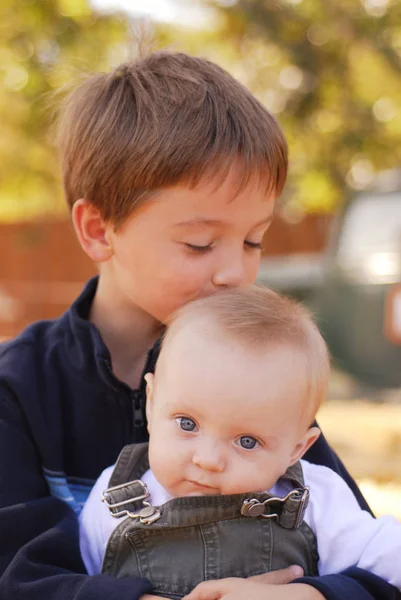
(199,249)
(256,245)
(203,249)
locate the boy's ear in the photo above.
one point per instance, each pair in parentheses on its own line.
(304,444)
(149,378)
(92,231)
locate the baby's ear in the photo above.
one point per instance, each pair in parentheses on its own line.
(149,378)
(307,440)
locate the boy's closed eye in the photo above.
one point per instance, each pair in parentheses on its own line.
(206,248)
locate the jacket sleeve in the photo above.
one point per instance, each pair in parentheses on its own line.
(353,583)
(39,545)
(322,454)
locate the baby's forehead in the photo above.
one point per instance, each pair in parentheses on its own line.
(200,350)
(193,343)
(201,333)
(244,390)
(204,331)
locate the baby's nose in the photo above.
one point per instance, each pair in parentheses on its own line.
(209,457)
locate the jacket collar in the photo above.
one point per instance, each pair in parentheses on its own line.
(84,346)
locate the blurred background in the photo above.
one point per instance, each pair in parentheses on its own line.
(329,70)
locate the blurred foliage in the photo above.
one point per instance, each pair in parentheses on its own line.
(330,72)
(328,69)
(44,45)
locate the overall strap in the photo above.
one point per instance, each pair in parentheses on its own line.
(295,475)
(294,508)
(127,494)
(132,463)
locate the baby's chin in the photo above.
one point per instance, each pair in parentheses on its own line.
(203,493)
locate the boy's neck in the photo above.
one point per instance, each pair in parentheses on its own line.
(127,331)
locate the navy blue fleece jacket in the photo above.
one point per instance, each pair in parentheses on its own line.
(64,417)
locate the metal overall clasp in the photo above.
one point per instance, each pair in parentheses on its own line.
(147,514)
(252,507)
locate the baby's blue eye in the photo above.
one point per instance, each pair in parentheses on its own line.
(186,423)
(247,442)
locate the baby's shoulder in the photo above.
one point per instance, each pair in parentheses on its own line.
(327,487)
(319,474)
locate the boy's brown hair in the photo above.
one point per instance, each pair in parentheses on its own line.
(160,121)
(261,319)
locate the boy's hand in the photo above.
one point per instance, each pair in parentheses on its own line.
(274,577)
(279,577)
(234,588)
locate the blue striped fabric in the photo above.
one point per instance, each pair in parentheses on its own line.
(73,494)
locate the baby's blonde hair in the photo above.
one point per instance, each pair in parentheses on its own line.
(260,318)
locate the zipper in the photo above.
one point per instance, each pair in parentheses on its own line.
(136,408)
(135,396)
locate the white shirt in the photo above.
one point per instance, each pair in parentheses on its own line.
(346,535)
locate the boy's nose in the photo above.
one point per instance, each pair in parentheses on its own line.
(209,457)
(232,271)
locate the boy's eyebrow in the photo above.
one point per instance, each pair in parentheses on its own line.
(214,222)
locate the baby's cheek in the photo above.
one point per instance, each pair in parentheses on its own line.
(254,477)
(164,467)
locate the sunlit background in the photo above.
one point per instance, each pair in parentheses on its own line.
(329,70)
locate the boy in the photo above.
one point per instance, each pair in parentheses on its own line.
(171,169)
(238,382)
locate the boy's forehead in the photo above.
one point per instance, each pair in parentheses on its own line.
(183,208)
(225,190)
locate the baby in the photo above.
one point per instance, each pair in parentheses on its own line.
(220,490)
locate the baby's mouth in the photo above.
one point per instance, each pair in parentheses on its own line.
(204,488)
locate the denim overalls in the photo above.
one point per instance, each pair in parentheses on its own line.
(192,539)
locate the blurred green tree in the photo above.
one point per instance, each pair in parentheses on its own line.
(44,45)
(330,71)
